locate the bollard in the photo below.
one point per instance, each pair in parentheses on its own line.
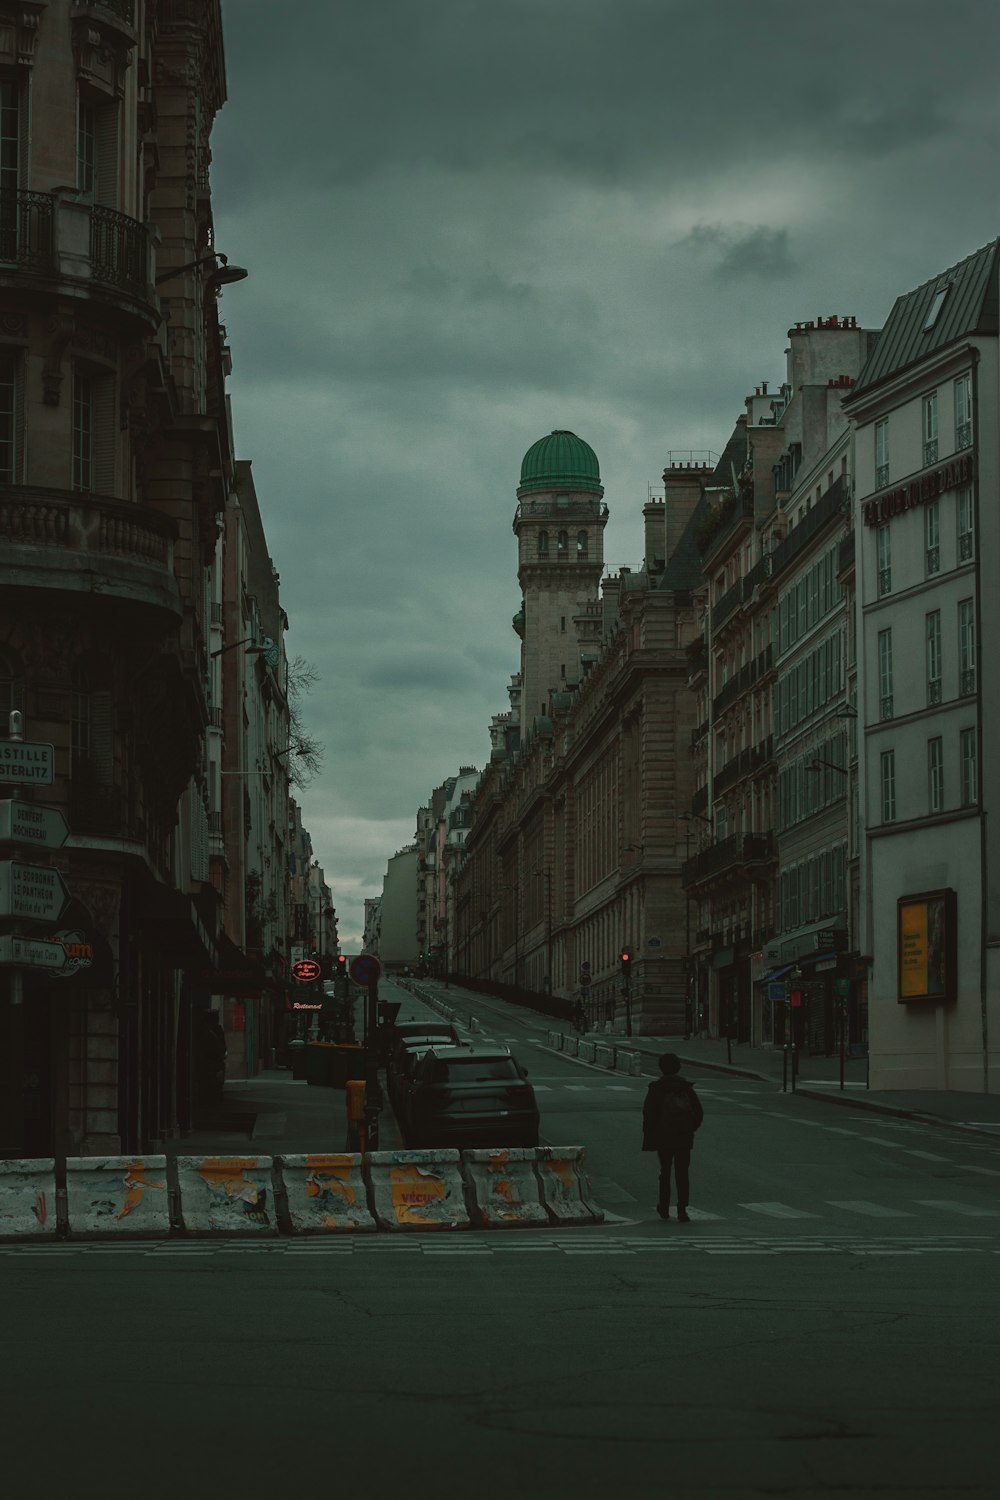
(117,1195)
(416,1189)
(28,1199)
(503,1189)
(586,1051)
(603,1055)
(325,1194)
(571,1045)
(226,1194)
(555,1040)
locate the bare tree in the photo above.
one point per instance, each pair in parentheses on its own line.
(306,753)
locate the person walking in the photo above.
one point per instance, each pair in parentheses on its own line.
(671,1113)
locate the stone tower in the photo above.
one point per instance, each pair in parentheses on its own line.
(559,525)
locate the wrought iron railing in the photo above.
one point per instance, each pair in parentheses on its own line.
(118,249)
(123,9)
(26,228)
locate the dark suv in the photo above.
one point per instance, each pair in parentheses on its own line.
(418,1034)
(471,1096)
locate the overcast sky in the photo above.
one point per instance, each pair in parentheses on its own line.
(469,222)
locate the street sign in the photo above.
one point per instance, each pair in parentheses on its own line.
(21,762)
(776,991)
(843,987)
(306,970)
(827,963)
(31,952)
(31,891)
(365,969)
(28,823)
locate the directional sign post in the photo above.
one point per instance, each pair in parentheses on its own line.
(23,764)
(34,891)
(30,824)
(32,952)
(365,969)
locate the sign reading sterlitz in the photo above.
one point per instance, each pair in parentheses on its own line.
(921,491)
(926,947)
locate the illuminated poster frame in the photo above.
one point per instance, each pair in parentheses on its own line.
(926,946)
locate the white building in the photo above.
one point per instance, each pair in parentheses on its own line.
(924,412)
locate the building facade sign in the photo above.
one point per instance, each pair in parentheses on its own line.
(950,476)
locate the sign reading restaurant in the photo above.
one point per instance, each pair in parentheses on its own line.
(928,487)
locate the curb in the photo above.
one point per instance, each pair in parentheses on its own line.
(902,1114)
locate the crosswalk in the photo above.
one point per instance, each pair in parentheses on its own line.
(671,1242)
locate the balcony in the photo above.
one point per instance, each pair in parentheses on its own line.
(698,735)
(740,853)
(99,811)
(46,238)
(833,504)
(577,507)
(731,516)
(845,557)
(699,802)
(697,659)
(730,601)
(86,544)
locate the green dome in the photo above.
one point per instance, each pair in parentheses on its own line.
(561,461)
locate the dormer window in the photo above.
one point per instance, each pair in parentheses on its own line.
(935,307)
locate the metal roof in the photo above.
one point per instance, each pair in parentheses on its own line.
(968,308)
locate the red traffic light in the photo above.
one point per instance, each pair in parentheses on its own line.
(626,956)
(341,961)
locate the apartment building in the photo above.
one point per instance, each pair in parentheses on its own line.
(924,414)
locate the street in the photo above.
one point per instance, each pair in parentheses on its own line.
(826,1324)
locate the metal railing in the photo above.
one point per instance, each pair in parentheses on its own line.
(739,850)
(123,9)
(118,249)
(26,222)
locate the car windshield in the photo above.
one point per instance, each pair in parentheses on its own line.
(475,1070)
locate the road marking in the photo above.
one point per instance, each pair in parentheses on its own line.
(926,1155)
(743,1252)
(778,1211)
(983,1171)
(952,1206)
(873,1210)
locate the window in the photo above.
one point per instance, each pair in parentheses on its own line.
(881,454)
(937,302)
(935,775)
(969,780)
(930,429)
(932,635)
(963,412)
(543,544)
(86,132)
(932,539)
(885,673)
(884,560)
(966,648)
(888,786)
(9,419)
(562,544)
(581,544)
(964,513)
(83,431)
(11,144)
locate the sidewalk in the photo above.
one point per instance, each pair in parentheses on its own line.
(819,1078)
(273,1115)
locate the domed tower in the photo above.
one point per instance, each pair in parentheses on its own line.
(559,525)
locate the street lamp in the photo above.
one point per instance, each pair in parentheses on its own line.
(267,648)
(689,1006)
(223,275)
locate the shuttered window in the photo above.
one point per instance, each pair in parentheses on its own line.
(11,418)
(93,430)
(97,150)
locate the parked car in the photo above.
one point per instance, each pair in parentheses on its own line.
(407,1061)
(425,1032)
(471,1096)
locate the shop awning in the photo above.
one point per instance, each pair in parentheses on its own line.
(170,918)
(809,959)
(234,974)
(777,973)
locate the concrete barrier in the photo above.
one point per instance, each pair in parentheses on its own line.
(503,1189)
(564,1188)
(571,1045)
(634,1064)
(416,1189)
(28,1199)
(586,1051)
(325,1194)
(556,1040)
(226,1194)
(604,1055)
(114,1196)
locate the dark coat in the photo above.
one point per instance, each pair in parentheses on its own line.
(659,1131)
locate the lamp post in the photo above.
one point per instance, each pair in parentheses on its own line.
(689,1005)
(223,275)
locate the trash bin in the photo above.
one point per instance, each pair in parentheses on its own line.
(349,1061)
(297,1057)
(319,1056)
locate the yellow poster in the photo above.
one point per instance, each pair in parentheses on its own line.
(913,950)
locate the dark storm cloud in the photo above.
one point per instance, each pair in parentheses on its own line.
(468,223)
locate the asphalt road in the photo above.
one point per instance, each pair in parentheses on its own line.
(827,1325)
